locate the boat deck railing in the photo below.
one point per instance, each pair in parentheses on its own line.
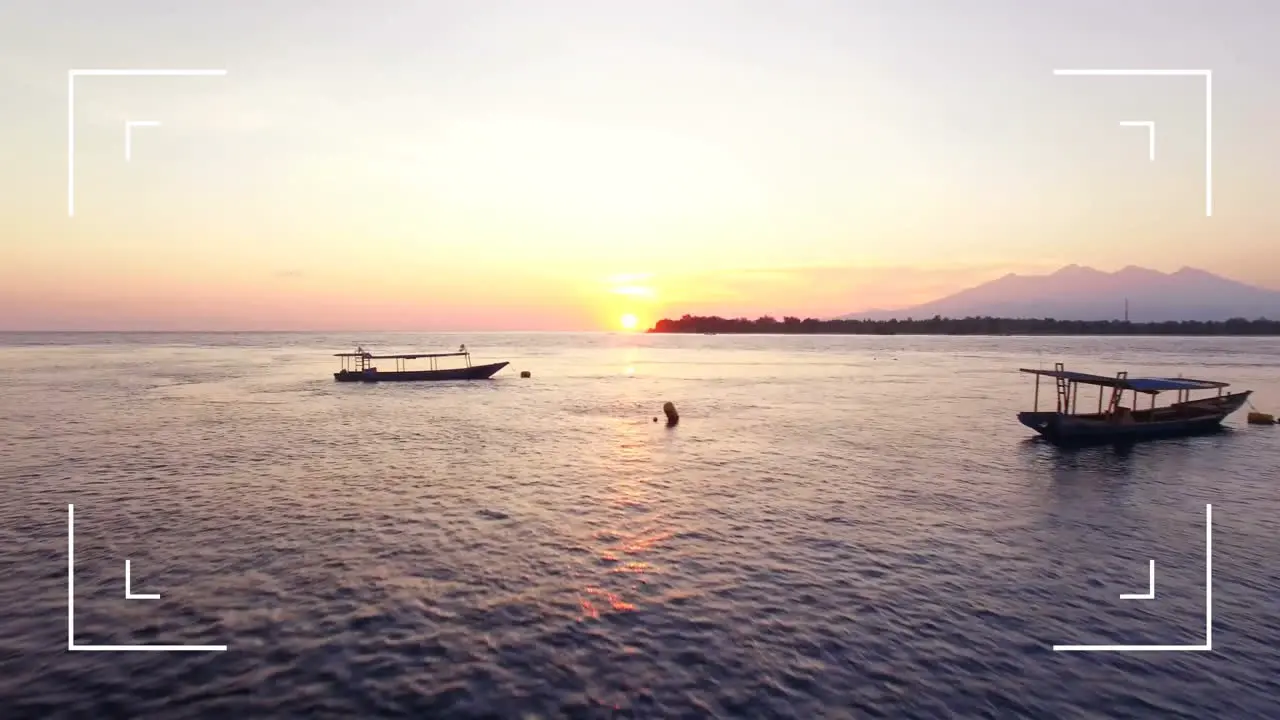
(363,360)
(1068,388)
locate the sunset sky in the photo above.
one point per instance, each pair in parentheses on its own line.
(540,164)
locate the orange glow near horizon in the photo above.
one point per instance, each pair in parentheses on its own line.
(169,288)
(163,292)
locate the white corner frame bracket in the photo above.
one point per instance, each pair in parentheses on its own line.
(1208,113)
(128,135)
(71,111)
(1150,594)
(1208,606)
(128,593)
(1150,125)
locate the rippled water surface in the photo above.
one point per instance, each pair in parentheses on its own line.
(839,527)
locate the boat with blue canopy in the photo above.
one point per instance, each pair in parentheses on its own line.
(1116,421)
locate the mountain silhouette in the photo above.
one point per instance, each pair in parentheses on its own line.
(1083,293)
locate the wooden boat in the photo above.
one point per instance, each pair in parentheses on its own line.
(358,367)
(1115,422)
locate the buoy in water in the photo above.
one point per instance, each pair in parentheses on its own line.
(673,417)
(525,374)
(1261,418)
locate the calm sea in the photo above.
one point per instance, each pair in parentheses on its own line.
(839,527)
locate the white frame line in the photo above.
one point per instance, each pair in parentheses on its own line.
(1151,586)
(71,608)
(129,125)
(71,111)
(1150,125)
(128,592)
(1208,609)
(1208,112)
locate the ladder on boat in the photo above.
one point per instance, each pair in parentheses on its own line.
(1064,388)
(1117,394)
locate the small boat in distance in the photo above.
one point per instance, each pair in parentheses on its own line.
(1115,422)
(358,367)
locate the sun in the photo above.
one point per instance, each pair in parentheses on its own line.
(629,321)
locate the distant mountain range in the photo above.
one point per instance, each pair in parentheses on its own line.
(1083,293)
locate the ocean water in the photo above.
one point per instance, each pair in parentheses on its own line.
(839,527)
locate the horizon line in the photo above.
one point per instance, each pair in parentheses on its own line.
(779,318)
(309,332)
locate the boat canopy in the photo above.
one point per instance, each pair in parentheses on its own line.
(1142,385)
(1162,384)
(371,356)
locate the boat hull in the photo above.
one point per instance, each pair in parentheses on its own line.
(1179,420)
(475,372)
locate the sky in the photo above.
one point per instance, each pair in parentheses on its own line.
(556,165)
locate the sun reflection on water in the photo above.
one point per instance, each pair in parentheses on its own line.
(631,531)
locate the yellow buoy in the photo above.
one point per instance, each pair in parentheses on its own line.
(1261,418)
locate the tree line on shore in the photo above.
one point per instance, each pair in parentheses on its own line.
(939,325)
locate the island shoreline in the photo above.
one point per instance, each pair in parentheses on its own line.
(972,326)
